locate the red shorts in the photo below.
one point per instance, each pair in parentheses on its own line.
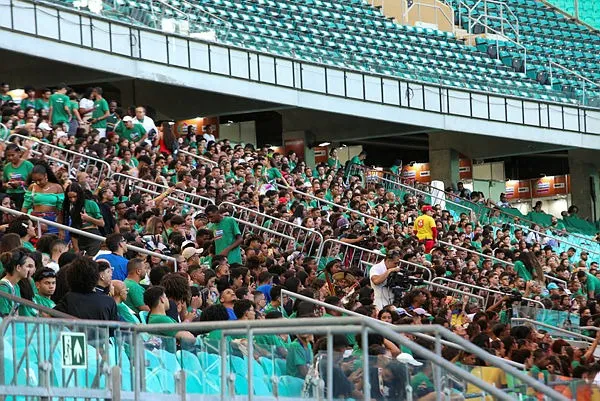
(429,244)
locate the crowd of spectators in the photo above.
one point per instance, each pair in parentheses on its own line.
(228,270)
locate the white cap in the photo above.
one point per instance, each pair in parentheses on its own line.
(408,358)
(45,126)
(61,134)
(421,311)
(127,119)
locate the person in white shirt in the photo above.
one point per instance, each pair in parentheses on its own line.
(379,274)
(86,105)
(142,118)
(208,135)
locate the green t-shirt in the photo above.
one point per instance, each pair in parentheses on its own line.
(225,233)
(25,103)
(7,306)
(58,101)
(18,174)
(134,133)
(91,209)
(270,340)
(334,163)
(592,284)
(41,104)
(163,319)
(29,246)
(297,356)
(43,301)
(135,295)
(522,271)
(127,314)
(273,174)
(356,160)
(100,108)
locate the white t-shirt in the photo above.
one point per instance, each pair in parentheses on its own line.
(383,295)
(86,103)
(209,138)
(147,123)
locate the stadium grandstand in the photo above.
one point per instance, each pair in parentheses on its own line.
(299,199)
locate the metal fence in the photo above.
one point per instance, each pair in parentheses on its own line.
(76,161)
(489,296)
(352,257)
(139,358)
(84,233)
(334,206)
(153,188)
(308,240)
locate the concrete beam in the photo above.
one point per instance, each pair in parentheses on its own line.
(341,128)
(486,147)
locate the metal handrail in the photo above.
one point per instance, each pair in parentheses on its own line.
(501,4)
(71,152)
(150,183)
(476,287)
(366,216)
(551,278)
(324,326)
(557,239)
(553,328)
(312,232)
(409,188)
(435,7)
(33,305)
(201,158)
(290,238)
(84,233)
(398,329)
(174,9)
(458,291)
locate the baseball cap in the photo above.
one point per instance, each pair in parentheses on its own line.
(421,312)
(402,311)
(191,251)
(127,119)
(553,286)
(426,208)
(45,126)
(408,358)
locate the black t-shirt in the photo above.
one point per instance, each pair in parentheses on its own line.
(94,306)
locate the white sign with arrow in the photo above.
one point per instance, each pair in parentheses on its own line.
(74,346)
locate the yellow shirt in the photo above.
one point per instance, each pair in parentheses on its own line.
(423,227)
(489,374)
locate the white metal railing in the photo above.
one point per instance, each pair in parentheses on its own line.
(201,159)
(84,233)
(77,161)
(312,240)
(504,19)
(332,204)
(575,74)
(155,188)
(482,290)
(437,10)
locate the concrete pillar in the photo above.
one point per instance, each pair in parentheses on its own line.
(443,166)
(584,167)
